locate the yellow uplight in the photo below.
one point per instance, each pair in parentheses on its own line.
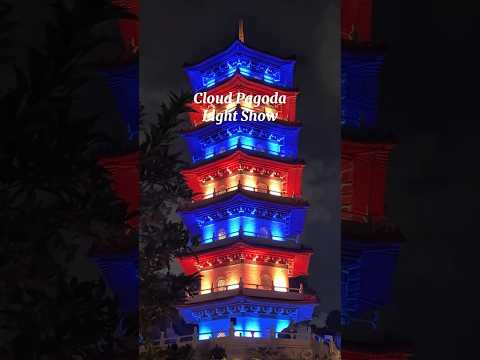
(280,280)
(275,187)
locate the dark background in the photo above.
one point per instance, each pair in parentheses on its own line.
(429,100)
(176,32)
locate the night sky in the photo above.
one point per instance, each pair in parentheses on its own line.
(429,100)
(176,32)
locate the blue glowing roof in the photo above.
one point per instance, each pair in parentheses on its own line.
(284,216)
(276,139)
(124,84)
(360,88)
(249,306)
(121,276)
(249,62)
(368,267)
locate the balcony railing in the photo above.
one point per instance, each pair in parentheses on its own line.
(232,334)
(252,234)
(266,190)
(242,285)
(239,145)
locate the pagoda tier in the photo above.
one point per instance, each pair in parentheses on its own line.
(276,139)
(123,171)
(239,84)
(251,316)
(129,28)
(246,213)
(364,174)
(249,62)
(117,257)
(241,169)
(356,18)
(369,257)
(120,272)
(124,85)
(239,251)
(361,65)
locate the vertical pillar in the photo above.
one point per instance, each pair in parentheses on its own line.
(195,337)
(231,330)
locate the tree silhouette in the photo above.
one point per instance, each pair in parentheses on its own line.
(162,238)
(52,193)
(266,353)
(218,353)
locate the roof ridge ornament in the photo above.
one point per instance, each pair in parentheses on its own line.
(241,30)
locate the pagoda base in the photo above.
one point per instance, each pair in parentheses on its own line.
(289,345)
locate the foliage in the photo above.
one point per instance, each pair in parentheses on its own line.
(266,353)
(170,353)
(53,194)
(218,353)
(162,237)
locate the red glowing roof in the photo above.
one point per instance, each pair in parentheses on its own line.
(364,173)
(239,83)
(298,259)
(356,20)
(129,28)
(124,174)
(293,170)
(131,5)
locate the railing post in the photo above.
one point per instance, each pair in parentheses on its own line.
(272,333)
(301,288)
(162,339)
(240,283)
(195,337)
(211,288)
(231,329)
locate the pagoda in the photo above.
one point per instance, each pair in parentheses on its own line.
(371,242)
(117,259)
(248,212)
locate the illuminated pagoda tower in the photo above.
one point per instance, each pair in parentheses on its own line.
(118,259)
(370,241)
(247,210)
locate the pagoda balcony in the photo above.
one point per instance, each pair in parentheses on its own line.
(259,147)
(253,236)
(253,290)
(251,192)
(230,336)
(239,186)
(277,140)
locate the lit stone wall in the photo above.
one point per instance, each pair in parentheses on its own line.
(272,185)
